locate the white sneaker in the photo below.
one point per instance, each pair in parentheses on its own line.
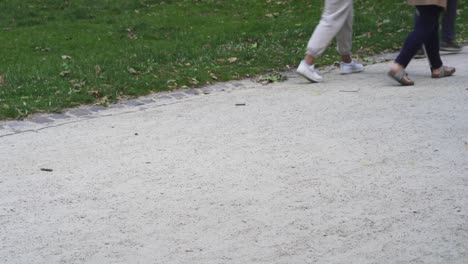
(309,72)
(352,67)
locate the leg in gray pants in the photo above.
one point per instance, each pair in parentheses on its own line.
(336,22)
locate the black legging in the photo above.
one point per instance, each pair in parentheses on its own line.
(426,31)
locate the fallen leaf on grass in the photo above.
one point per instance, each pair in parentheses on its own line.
(102,101)
(131,34)
(93,92)
(132,71)
(65,73)
(272,15)
(194,81)
(271,78)
(66,57)
(98,70)
(213,76)
(233,59)
(172,83)
(41,49)
(77,84)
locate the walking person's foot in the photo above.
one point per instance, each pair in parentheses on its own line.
(352,67)
(443,71)
(309,72)
(451,46)
(398,73)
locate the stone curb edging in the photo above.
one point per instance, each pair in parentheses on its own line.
(38,122)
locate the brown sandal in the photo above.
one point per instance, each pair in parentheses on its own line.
(444,72)
(401,77)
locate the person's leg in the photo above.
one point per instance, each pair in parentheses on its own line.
(426,25)
(432,50)
(332,20)
(334,16)
(431,45)
(448,42)
(344,39)
(345,35)
(420,53)
(448,21)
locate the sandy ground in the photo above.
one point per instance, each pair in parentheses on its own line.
(354,170)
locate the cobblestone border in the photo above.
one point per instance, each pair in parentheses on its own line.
(38,122)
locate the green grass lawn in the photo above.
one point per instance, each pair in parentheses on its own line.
(56,54)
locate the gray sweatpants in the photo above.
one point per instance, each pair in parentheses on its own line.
(336,21)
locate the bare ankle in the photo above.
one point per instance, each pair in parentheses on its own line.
(309,59)
(346,58)
(397,67)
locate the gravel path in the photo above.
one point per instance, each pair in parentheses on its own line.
(353,170)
